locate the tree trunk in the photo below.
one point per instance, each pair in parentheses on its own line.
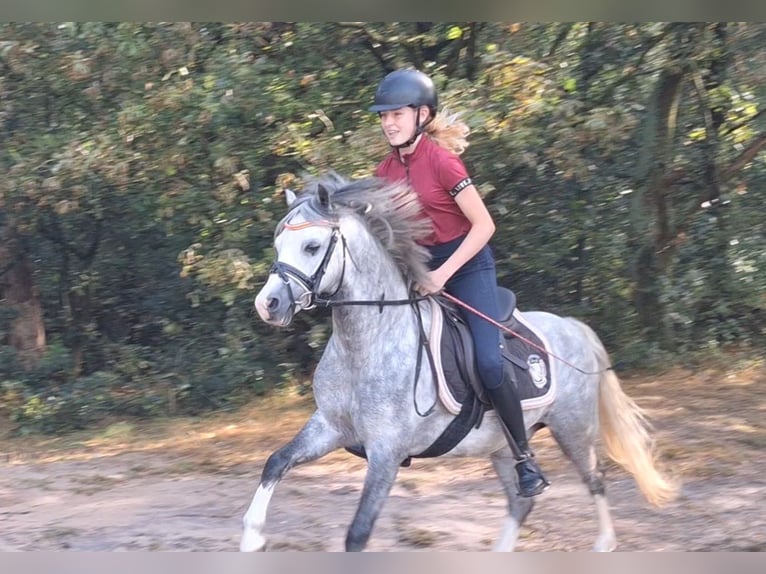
(26,332)
(649,213)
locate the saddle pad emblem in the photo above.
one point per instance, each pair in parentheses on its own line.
(537,370)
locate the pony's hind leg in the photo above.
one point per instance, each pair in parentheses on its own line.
(315,439)
(518,507)
(579,447)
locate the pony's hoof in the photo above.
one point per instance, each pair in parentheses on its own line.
(252,542)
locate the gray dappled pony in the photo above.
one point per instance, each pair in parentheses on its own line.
(357,240)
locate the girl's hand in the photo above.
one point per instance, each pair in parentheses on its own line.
(432,285)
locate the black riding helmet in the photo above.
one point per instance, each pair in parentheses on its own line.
(406,88)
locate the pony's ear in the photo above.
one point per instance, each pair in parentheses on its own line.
(324,196)
(290,196)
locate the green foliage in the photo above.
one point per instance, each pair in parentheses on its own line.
(54,368)
(144,167)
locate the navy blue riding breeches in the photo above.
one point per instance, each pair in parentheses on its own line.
(475,284)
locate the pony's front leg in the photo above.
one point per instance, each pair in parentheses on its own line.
(315,439)
(382,468)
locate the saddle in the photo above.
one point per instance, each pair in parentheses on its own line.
(526,364)
(525,353)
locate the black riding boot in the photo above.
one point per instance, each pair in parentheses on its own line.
(508,407)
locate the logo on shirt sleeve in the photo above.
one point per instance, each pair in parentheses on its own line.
(461,185)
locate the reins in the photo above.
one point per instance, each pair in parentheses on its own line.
(422,337)
(383,302)
(310,285)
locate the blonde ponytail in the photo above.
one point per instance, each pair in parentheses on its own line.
(449,132)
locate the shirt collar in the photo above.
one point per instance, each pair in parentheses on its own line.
(417,152)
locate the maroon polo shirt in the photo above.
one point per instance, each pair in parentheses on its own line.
(437,176)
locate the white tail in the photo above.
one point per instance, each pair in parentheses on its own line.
(626,433)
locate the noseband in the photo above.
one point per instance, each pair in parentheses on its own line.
(310,285)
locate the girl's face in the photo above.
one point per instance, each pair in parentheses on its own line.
(398,125)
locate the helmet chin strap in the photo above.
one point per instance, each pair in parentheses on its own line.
(413,139)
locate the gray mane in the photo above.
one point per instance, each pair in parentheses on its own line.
(390,212)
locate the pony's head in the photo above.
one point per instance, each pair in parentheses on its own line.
(313,241)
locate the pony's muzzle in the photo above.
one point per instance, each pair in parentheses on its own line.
(274,304)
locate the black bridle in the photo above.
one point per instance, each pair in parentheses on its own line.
(311,298)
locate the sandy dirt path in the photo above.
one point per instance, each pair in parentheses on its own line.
(183,485)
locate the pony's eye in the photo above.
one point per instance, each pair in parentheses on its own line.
(311,248)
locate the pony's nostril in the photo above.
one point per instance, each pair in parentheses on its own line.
(273,303)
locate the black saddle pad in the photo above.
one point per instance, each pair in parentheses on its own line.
(527,363)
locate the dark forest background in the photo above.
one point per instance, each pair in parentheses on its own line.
(144,165)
